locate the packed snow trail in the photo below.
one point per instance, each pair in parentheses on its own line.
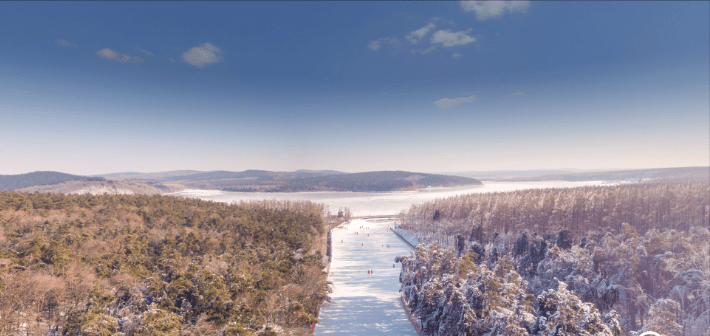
(362,303)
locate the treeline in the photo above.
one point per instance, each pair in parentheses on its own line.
(602,283)
(158,265)
(645,206)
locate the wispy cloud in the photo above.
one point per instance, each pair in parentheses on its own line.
(448,39)
(492,9)
(202,55)
(445,38)
(418,35)
(147,52)
(171,60)
(118,57)
(377,44)
(65,43)
(452,102)
(424,51)
(456,55)
(107,53)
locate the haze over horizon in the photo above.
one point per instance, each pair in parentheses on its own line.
(102,87)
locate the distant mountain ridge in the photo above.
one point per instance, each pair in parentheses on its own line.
(301,180)
(248,181)
(305,180)
(19,181)
(635,175)
(149,176)
(377,181)
(195,175)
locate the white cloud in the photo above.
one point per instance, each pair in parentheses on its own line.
(118,57)
(147,52)
(449,39)
(491,9)
(451,102)
(419,34)
(171,60)
(444,38)
(377,44)
(374,45)
(65,43)
(107,53)
(202,55)
(456,55)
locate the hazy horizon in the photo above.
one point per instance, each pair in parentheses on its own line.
(530,172)
(93,88)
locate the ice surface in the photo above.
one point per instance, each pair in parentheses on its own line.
(384,203)
(361,303)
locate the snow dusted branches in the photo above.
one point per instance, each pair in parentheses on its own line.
(453,296)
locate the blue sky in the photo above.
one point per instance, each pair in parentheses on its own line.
(99,87)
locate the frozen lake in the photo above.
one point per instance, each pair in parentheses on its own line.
(380,203)
(362,303)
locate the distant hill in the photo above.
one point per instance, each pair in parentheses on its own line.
(112,187)
(322,172)
(159,176)
(637,175)
(300,180)
(376,181)
(508,174)
(194,175)
(12,182)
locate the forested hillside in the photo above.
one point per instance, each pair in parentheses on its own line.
(303,180)
(158,265)
(586,261)
(376,181)
(11,182)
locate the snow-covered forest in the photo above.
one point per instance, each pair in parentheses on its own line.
(644,206)
(585,261)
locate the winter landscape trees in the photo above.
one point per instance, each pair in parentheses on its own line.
(570,263)
(158,265)
(645,206)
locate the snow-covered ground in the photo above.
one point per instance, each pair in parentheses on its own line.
(382,203)
(361,303)
(410,237)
